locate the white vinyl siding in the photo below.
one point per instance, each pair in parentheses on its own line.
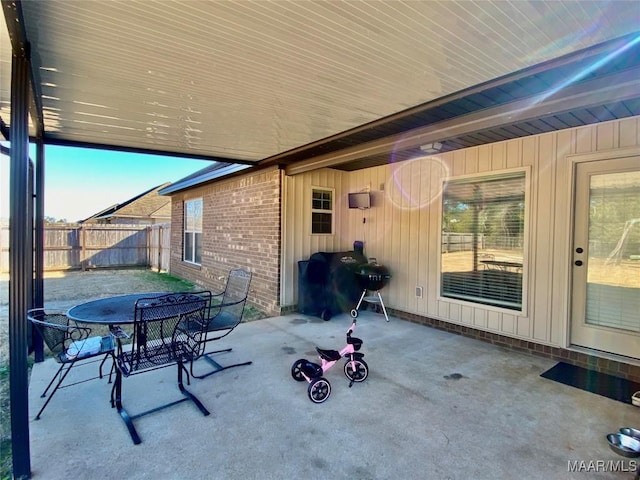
(403,227)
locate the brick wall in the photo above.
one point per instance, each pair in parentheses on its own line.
(241,228)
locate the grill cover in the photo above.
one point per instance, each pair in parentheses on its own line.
(328,284)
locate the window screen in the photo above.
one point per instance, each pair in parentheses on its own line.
(483,240)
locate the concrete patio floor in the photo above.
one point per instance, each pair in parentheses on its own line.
(435,406)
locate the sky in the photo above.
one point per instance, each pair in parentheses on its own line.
(81,182)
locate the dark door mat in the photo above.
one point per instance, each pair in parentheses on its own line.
(603,384)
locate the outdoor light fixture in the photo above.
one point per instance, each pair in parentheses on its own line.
(434,147)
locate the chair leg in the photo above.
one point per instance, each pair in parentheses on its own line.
(53,379)
(113,365)
(216,366)
(117,400)
(188,394)
(55,389)
(113,393)
(184,368)
(113,369)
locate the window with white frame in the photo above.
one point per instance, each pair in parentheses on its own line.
(321,211)
(193,231)
(483,232)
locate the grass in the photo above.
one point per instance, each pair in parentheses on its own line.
(169,282)
(5,425)
(6,470)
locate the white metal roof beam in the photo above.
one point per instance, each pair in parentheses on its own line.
(146,151)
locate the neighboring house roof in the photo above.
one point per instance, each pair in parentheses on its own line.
(148,204)
(207,174)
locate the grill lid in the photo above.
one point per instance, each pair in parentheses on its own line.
(373,276)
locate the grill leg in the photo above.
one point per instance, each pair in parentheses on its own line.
(384,310)
(364,292)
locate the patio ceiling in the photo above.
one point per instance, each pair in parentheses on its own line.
(298,82)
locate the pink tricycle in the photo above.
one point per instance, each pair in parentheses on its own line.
(355,368)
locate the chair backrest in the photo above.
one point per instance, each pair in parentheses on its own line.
(57,331)
(228,313)
(167,329)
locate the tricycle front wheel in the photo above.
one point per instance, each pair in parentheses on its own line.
(356,370)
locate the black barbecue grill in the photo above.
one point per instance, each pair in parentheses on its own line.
(373,277)
(331,282)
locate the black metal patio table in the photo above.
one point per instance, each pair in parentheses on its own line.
(110,311)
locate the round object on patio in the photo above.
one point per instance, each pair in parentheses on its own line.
(624,445)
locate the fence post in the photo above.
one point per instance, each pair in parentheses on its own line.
(159,248)
(147,253)
(82,240)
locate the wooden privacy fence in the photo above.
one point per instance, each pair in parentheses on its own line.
(73,246)
(459,242)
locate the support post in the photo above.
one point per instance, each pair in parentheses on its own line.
(20,265)
(38,282)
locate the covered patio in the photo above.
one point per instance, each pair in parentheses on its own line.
(302,86)
(435,405)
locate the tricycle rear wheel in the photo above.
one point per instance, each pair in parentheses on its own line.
(319,390)
(296,370)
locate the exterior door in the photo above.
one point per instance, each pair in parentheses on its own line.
(606,257)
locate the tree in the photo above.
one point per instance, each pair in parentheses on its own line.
(51,220)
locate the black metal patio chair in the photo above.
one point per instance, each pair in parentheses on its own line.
(70,345)
(167,330)
(224,315)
